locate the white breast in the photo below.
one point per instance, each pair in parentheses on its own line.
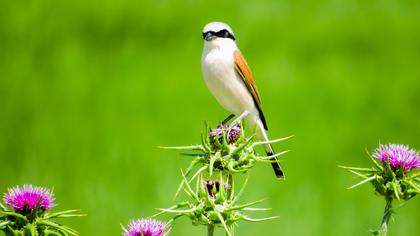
(223,81)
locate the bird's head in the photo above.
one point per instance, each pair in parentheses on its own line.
(217,31)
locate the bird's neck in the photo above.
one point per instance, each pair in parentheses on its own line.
(220,44)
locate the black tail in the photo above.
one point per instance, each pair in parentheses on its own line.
(275,163)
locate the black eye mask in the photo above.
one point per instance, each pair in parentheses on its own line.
(221,34)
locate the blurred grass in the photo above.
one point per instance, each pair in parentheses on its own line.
(89,89)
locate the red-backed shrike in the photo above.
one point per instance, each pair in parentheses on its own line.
(230,80)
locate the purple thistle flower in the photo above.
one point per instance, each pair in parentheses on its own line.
(398,155)
(146,227)
(29,198)
(233,133)
(211,184)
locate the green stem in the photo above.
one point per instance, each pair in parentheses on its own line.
(385,219)
(230,184)
(210,230)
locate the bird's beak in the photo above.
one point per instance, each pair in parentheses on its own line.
(208,36)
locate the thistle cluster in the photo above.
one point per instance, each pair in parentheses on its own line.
(28,213)
(224,152)
(393,176)
(225,149)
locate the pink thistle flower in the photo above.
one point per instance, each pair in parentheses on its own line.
(398,155)
(146,227)
(29,198)
(233,133)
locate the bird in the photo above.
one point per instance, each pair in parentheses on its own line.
(230,80)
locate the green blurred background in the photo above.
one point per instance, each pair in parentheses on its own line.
(89,89)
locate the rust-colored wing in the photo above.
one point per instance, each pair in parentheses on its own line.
(245,72)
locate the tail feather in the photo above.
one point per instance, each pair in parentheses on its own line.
(270,151)
(275,163)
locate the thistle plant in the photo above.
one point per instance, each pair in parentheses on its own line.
(209,180)
(393,176)
(28,213)
(146,227)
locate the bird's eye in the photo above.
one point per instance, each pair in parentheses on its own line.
(225,34)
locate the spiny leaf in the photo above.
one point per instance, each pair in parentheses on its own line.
(3,208)
(416,187)
(414,176)
(4,224)
(179,205)
(359,174)
(194,154)
(17,215)
(235,199)
(238,207)
(362,182)
(273,156)
(191,147)
(48,232)
(270,141)
(211,163)
(187,172)
(224,224)
(256,209)
(178,211)
(63,214)
(375,161)
(57,226)
(359,169)
(257,219)
(188,187)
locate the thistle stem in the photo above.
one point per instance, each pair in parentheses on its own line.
(210,230)
(385,219)
(230,184)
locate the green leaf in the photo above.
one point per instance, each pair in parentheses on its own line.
(359,169)
(257,219)
(359,174)
(177,206)
(273,156)
(188,187)
(14,214)
(212,160)
(187,172)
(224,224)
(48,232)
(235,199)
(270,141)
(239,207)
(256,209)
(375,161)
(4,224)
(58,227)
(180,211)
(3,208)
(192,147)
(30,229)
(363,181)
(63,214)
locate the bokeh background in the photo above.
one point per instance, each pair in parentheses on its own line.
(89,89)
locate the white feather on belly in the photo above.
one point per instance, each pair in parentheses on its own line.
(225,83)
